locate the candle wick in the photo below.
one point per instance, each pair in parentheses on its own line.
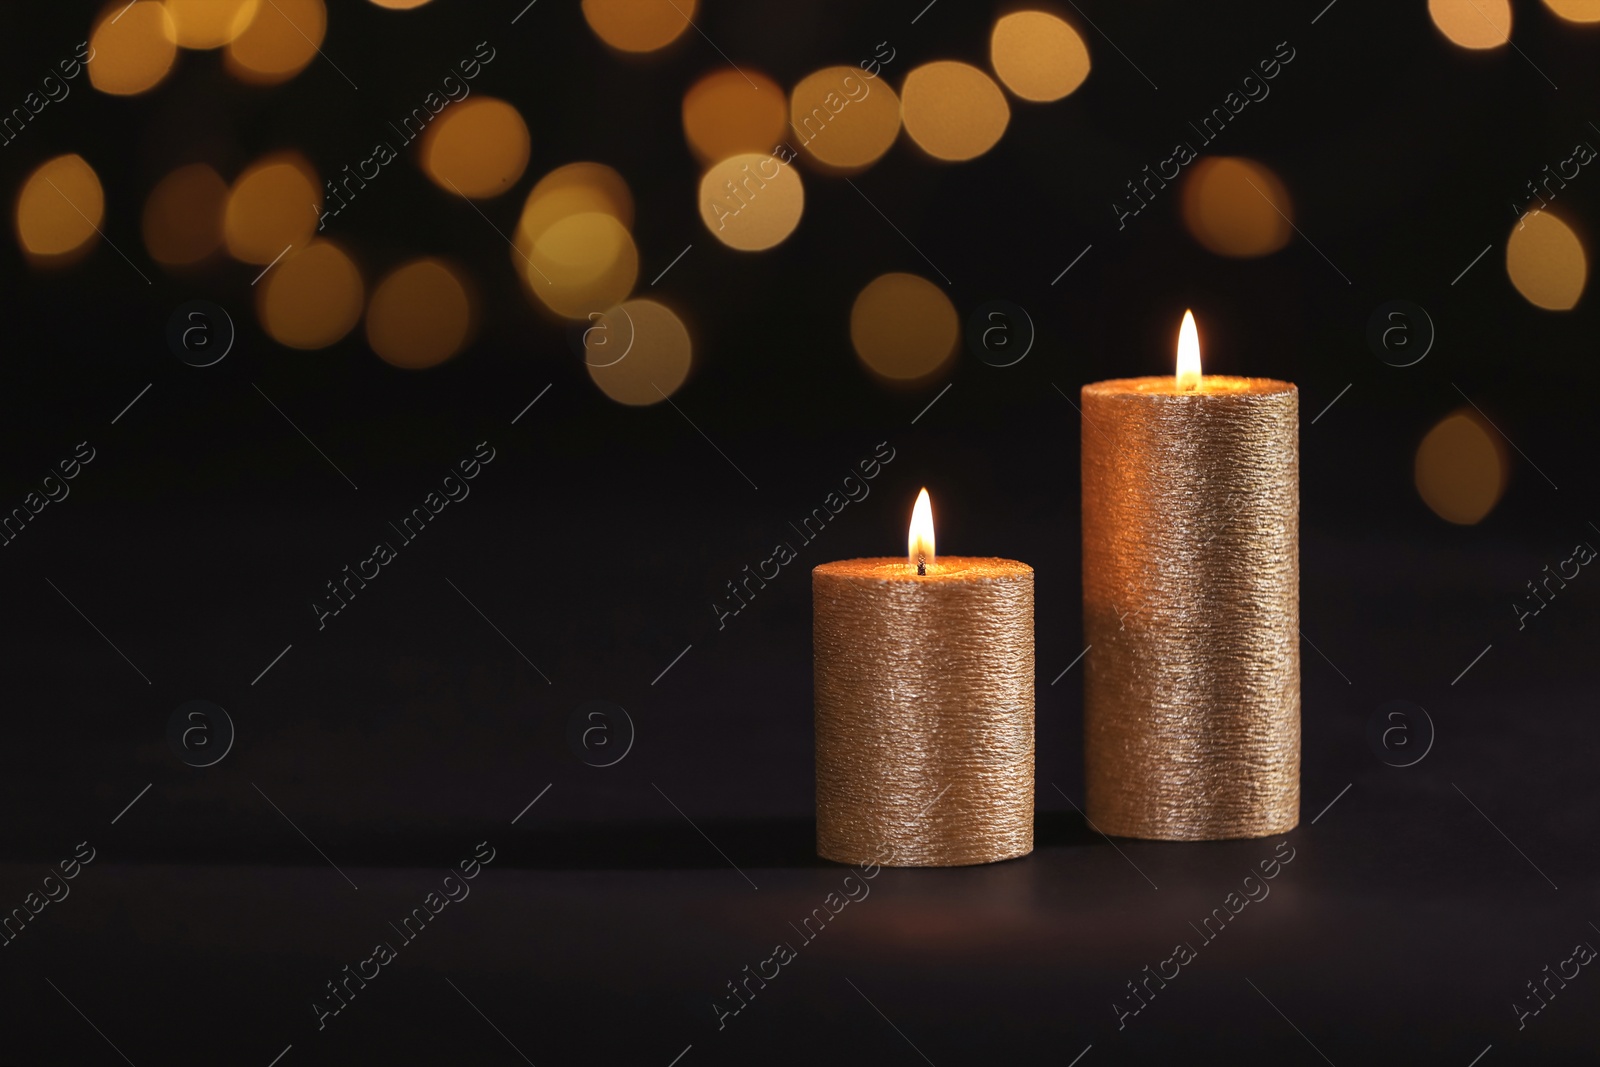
(922,565)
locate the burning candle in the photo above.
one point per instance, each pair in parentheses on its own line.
(1191,574)
(924,706)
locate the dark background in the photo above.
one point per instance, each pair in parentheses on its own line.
(408,729)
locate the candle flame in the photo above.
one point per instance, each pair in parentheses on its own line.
(919,542)
(1188,354)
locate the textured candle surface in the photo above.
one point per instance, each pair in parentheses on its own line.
(924,711)
(1191,582)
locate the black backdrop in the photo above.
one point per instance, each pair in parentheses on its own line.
(420,721)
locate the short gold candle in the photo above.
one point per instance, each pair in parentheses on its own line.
(1191,607)
(924,711)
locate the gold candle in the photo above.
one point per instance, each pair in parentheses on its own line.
(924,706)
(1191,574)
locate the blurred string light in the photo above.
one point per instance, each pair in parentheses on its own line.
(204,24)
(573,248)
(571,190)
(638,352)
(842,119)
(478,148)
(751,201)
(1461,468)
(903,327)
(1473,23)
(723,115)
(1038,56)
(133,45)
(1546,262)
(582,264)
(638,25)
(1575,10)
(60,207)
(183,215)
(420,315)
(277,44)
(273,205)
(312,298)
(953,111)
(1236,207)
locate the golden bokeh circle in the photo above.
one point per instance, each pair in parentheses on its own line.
(582,263)
(638,25)
(952,110)
(419,316)
(279,42)
(1546,261)
(732,111)
(59,207)
(903,327)
(751,201)
(843,119)
(274,204)
(1038,56)
(1474,24)
(1460,468)
(312,298)
(183,214)
(1575,10)
(573,189)
(656,357)
(203,24)
(1236,207)
(400,5)
(477,148)
(133,47)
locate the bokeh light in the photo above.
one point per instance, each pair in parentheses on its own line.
(477,148)
(1546,261)
(1575,10)
(953,110)
(60,206)
(638,353)
(1038,56)
(638,25)
(572,282)
(751,201)
(572,189)
(400,5)
(312,298)
(420,315)
(133,47)
(201,24)
(728,112)
(273,204)
(903,327)
(1473,23)
(1236,207)
(279,42)
(843,119)
(1461,468)
(581,264)
(183,215)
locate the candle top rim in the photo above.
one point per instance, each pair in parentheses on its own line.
(942,570)
(1164,385)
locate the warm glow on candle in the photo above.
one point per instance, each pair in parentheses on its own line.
(1188,354)
(919,543)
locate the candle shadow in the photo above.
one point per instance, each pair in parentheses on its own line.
(1064,829)
(674,845)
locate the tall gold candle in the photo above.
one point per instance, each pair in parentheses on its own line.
(924,708)
(1191,574)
